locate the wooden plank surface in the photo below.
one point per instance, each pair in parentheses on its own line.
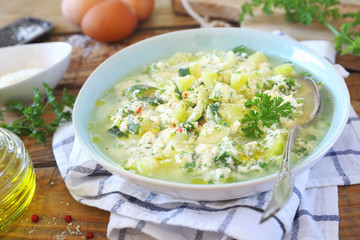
(52,199)
(349,211)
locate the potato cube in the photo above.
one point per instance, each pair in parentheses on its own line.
(195,70)
(256,59)
(231,112)
(238,80)
(285,69)
(209,79)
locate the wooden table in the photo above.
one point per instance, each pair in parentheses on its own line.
(52,200)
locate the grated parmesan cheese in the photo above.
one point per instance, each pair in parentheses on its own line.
(14,77)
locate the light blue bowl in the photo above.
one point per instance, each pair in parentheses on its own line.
(132,58)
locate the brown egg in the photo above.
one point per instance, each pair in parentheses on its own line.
(143,8)
(74,10)
(109,21)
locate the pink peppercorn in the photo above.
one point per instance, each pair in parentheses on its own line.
(89,235)
(67,218)
(35,218)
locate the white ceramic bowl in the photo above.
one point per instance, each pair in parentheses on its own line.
(53,58)
(150,50)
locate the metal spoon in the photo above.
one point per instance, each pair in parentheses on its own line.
(285,181)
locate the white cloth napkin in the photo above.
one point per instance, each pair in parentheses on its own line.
(311,213)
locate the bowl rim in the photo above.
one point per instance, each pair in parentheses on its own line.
(64,54)
(118,170)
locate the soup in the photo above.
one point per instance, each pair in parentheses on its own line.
(210,117)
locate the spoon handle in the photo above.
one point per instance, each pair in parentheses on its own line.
(285,181)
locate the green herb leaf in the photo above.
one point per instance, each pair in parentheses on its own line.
(290,82)
(153,101)
(224,158)
(239,49)
(189,167)
(31,122)
(139,90)
(347,38)
(177,91)
(265,110)
(188,125)
(348,35)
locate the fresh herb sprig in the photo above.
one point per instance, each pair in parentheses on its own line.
(31,121)
(266,111)
(347,38)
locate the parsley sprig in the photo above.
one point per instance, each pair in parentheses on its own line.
(31,121)
(266,111)
(347,39)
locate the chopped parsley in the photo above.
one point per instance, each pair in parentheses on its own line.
(265,111)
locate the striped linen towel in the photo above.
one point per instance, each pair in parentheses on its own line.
(311,213)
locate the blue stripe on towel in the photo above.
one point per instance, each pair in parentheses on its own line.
(102,184)
(343,152)
(295,229)
(122,234)
(203,203)
(177,212)
(100,171)
(117,205)
(261,200)
(227,221)
(316,218)
(351,119)
(64,142)
(155,208)
(298,193)
(151,196)
(339,169)
(80,169)
(199,235)
(97,172)
(141,224)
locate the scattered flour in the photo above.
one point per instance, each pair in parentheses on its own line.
(89,49)
(86,44)
(28,32)
(60,236)
(14,77)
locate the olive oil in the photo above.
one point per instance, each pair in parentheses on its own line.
(17,178)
